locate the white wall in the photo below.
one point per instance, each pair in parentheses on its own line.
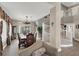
(75,10)
(20,25)
(40,23)
(46,33)
(4,33)
(10,30)
(32,27)
(76,22)
(68,19)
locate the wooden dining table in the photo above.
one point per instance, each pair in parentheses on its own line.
(23,37)
(28,39)
(22,40)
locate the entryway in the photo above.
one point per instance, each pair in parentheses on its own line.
(67,35)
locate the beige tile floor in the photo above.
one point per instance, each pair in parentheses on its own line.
(70,51)
(12,50)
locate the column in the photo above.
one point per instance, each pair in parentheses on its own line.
(55,25)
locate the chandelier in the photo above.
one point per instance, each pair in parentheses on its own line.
(26,20)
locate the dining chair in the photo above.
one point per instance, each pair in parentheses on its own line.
(22,42)
(30,39)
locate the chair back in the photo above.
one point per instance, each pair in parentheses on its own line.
(18,37)
(35,35)
(30,39)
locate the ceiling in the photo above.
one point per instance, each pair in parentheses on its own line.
(34,10)
(70,4)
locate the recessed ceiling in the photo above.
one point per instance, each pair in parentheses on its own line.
(70,4)
(34,10)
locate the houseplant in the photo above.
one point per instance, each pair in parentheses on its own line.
(40,31)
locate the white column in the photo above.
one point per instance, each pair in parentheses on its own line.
(55,25)
(43,32)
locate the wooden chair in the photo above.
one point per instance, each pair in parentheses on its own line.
(35,35)
(22,42)
(30,39)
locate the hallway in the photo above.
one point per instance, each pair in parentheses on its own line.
(11,50)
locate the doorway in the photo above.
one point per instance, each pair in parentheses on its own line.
(14,32)
(67,35)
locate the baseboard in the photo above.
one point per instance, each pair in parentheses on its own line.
(70,45)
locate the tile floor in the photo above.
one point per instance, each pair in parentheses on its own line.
(12,50)
(70,51)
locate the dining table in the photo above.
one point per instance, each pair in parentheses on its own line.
(22,36)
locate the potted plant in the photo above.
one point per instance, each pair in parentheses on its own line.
(40,30)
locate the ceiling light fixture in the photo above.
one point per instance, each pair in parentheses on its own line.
(26,20)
